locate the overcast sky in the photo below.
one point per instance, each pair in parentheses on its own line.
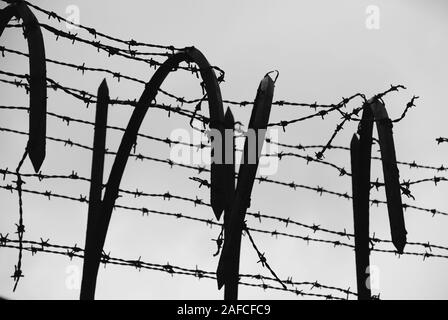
(323,51)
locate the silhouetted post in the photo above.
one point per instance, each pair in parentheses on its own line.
(216,112)
(361,152)
(228,267)
(91,259)
(231,289)
(391,175)
(360,163)
(38,88)
(361,199)
(37,78)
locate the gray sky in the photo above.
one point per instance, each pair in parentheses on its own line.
(323,52)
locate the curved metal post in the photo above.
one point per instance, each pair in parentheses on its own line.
(191,54)
(361,155)
(37,80)
(391,174)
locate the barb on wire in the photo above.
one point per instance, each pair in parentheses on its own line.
(346,117)
(409,105)
(319,155)
(391,89)
(219,242)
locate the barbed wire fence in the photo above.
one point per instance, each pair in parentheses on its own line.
(315,154)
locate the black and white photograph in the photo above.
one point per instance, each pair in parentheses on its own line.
(210,150)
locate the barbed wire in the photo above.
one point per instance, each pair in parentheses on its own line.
(95,33)
(131,53)
(342,171)
(199,202)
(322,113)
(280,155)
(171,49)
(112,50)
(68,120)
(201,169)
(74,251)
(89,98)
(209,222)
(128,54)
(262,257)
(412,165)
(18,273)
(321,191)
(115,74)
(346,117)
(101,46)
(409,105)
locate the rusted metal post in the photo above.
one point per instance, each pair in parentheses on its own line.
(228,267)
(90,270)
(231,289)
(391,174)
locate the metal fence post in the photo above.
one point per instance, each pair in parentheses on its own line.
(359,161)
(90,270)
(391,175)
(228,267)
(217,197)
(231,289)
(37,79)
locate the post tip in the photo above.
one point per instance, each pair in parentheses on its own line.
(378,109)
(399,242)
(277,73)
(103,87)
(355,140)
(217,209)
(36,153)
(220,273)
(228,117)
(266,82)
